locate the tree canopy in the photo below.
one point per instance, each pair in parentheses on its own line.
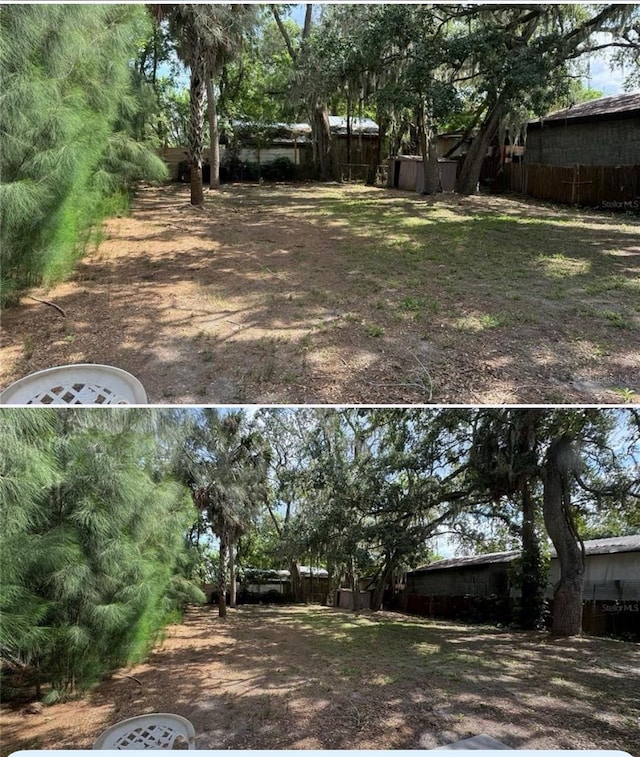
(364,492)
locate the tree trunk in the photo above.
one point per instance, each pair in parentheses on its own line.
(214,136)
(196,126)
(296,583)
(232,576)
(381,584)
(428,148)
(377,159)
(333,581)
(533,580)
(222,577)
(532,591)
(472,166)
(322,140)
(355,587)
(561,463)
(349,131)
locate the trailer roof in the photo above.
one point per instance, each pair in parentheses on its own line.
(603,107)
(611,545)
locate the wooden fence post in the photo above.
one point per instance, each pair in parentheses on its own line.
(575,184)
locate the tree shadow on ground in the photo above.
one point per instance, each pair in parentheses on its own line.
(304,678)
(316,294)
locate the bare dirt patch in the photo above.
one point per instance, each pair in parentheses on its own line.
(318,678)
(348,294)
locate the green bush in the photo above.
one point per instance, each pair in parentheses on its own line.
(92,540)
(280,169)
(66,146)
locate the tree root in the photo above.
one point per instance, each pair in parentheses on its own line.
(50,304)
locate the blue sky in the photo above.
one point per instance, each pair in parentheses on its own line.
(605,79)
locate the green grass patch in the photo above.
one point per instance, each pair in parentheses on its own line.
(419,304)
(479,322)
(616,319)
(561,266)
(374,330)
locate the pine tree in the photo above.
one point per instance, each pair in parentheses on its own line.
(65,142)
(92,536)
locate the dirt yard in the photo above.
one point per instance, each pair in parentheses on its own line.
(318,678)
(348,294)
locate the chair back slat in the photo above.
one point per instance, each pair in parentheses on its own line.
(159,730)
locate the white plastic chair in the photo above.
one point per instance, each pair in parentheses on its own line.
(81,384)
(159,730)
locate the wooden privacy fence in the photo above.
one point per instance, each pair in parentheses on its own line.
(600,617)
(607,187)
(611,618)
(489,609)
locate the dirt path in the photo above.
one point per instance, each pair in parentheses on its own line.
(284,294)
(317,678)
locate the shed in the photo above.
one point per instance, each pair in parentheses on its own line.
(478,576)
(406,172)
(453,145)
(354,150)
(603,132)
(344,599)
(263,143)
(475,588)
(611,571)
(588,154)
(355,147)
(458,587)
(358,126)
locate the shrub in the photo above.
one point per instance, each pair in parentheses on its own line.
(280,169)
(65,146)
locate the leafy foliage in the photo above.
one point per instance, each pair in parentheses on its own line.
(223,462)
(364,492)
(66,139)
(92,539)
(255,87)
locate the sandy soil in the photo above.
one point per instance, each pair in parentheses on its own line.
(319,678)
(261,296)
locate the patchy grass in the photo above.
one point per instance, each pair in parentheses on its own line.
(373,330)
(500,299)
(317,678)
